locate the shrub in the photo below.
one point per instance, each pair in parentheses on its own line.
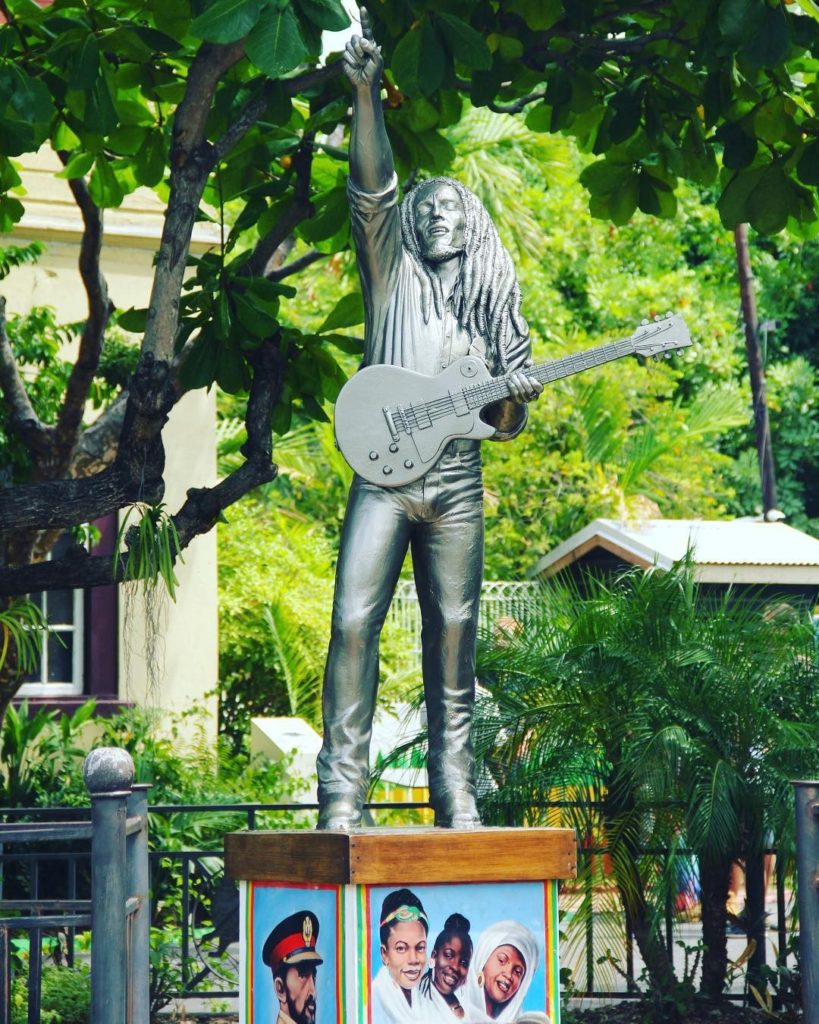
(65,996)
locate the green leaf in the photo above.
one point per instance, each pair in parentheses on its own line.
(77,167)
(736,16)
(133,320)
(539,118)
(172,16)
(769,202)
(352,346)
(732,203)
(87,65)
(103,187)
(275,45)
(348,312)
(623,203)
(808,165)
(199,368)
(538,14)
(464,42)
(332,210)
(327,14)
(313,409)
(282,416)
(11,211)
(149,161)
(418,60)
(232,374)
(604,176)
(739,147)
(225,21)
(770,42)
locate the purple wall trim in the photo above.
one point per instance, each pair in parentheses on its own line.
(101,624)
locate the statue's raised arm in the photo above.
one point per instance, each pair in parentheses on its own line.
(371,165)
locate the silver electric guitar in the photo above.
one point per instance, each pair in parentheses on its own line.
(392,424)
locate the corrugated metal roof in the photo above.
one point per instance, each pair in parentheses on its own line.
(732,544)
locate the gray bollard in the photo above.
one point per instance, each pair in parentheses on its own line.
(139,885)
(807,878)
(109,774)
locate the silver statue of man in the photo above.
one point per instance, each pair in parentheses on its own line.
(437,285)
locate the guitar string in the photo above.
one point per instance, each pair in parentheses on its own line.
(482,394)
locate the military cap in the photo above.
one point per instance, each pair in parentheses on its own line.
(293,941)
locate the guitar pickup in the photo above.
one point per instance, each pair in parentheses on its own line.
(460,406)
(420,414)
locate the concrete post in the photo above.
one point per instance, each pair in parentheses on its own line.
(807,878)
(139,885)
(109,774)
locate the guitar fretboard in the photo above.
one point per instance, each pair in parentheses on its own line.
(479,395)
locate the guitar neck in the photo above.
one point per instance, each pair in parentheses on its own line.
(498,388)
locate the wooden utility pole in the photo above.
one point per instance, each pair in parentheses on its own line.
(757,372)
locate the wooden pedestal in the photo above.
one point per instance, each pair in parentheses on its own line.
(493,876)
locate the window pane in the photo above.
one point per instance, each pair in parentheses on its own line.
(34,677)
(60,658)
(61,607)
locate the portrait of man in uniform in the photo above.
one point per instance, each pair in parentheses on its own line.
(290,953)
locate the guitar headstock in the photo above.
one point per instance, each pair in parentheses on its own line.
(660,335)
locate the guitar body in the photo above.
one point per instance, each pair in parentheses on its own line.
(383,424)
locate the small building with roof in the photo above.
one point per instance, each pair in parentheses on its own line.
(746,553)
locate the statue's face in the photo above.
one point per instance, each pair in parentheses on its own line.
(439,222)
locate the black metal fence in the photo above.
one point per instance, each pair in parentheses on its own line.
(117,908)
(203,945)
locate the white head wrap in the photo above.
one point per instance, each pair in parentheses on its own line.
(503,933)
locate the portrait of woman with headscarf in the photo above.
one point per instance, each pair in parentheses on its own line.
(501,971)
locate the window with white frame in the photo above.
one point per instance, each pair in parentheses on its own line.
(59,672)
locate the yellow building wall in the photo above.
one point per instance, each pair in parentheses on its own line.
(187,648)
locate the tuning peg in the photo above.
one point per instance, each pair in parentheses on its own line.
(644,322)
(669,314)
(668,355)
(657,317)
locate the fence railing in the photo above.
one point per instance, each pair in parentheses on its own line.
(208,928)
(118,910)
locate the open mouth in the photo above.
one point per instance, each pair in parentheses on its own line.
(439,229)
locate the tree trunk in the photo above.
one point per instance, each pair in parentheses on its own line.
(715,877)
(755,913)
(757,373)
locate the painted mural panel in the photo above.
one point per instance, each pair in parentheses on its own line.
(293,968)
(419,954)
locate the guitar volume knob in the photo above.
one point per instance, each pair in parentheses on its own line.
(393,447)
(373,456)
(387,470)
(408,463)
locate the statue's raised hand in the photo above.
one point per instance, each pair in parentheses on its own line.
(363,63)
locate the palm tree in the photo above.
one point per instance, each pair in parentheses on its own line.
(682,711)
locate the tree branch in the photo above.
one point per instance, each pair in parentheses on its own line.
(99,312)
(297,265)
(199,512)
(192,159)
(518,105)
(136,473)
(312,79)
(23,419)
(300,209)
